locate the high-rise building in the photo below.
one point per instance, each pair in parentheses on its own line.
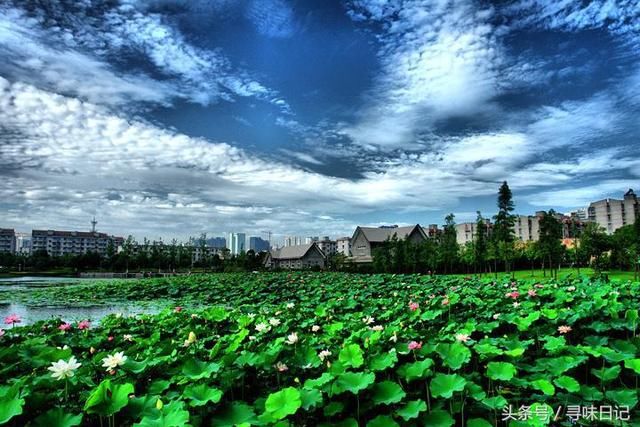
(217,242)
(311,239)
(612,214)
(258,244)
(7,240)
(23,243)
(466,231)
(236,243)
(292,241)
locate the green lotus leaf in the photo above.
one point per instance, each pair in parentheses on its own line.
(196,369)
(591,394)
(500,371)
(134,367)
(487,350)
(311,398)
(496,402)
(454,355)
(412,409)
(549,313)
(333,408)
(10,403)
(351,355)
(108,399)
(445,385)
(158,386)
(354,382)
(283,403)
(607,374)
(235,414)
(633,364)
(523,323)
(544,386)
(478,422)
(201,394)
(319,382)
(172,414)
(475,391)
(387,392)
(58,418)
(416,370)
(623,397)
(383,361)
(382,421)
(554,344)
(567,383)
(438,418)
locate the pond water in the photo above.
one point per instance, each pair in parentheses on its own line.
(58,309)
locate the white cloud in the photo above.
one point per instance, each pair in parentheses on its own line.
(439,59)
(272,18)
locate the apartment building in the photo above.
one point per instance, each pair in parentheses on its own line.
(612,214)
(7,240)
(327,246)
(59,243)
(236,243)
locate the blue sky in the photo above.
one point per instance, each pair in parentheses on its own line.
(167,118)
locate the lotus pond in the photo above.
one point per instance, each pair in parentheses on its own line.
(307,349)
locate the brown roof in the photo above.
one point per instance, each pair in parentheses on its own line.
(378,234)
(293,252)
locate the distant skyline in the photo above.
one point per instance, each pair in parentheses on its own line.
(168,118)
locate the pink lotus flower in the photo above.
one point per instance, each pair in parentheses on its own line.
(445,301)
(178,309)
(85,324)
(414,345)
(514,294)
(12,319)
(110,338)
(532,293)
(539,286)
(1,332)
(413,306)
(564,329)
(281,367)
(65,326)
(462,337)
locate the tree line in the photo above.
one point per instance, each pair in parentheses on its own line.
(494,248)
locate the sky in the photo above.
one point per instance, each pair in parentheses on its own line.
(169,118)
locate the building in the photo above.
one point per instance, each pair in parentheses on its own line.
(527,227)
(23,243)
(343,246)
(366,239)
(296,257)
(7,240)
(432,231)
(198,253)
(293,241)
(311,239)
(466,231)
(612,214)
(328,246)
(236,243)
(582,214)
(258,244)
(59,243)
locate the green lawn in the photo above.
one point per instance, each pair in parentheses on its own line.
(568,272)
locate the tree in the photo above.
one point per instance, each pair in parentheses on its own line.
(503,234)
(550,241)
(636,247)
(595,243)
(480,243)
(448,244)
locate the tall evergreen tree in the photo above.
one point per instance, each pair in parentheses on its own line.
(503,235)
(449,246)
(480,243)
(549,244)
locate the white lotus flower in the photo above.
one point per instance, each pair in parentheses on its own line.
(292,338)
(324,354)
(291,305)
(368,320)
(315,328)
(61,369)
(274,322)
(262,327)
(113,361)
(377,328)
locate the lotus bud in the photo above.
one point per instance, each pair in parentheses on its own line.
(159,405)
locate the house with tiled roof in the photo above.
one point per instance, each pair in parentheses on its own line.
(366,239)
(296,257)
